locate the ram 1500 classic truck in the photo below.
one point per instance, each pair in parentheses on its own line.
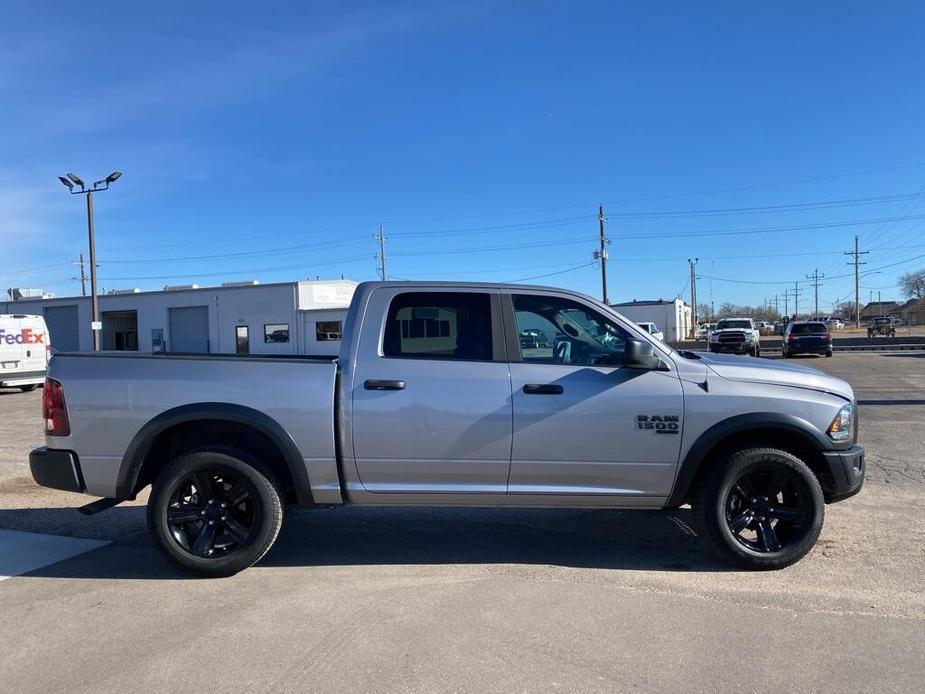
(437,399)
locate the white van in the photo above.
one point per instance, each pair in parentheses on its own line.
(25,349)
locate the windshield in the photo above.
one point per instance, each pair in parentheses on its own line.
(740,324)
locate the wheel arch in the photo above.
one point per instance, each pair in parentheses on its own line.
(198,424)
(774,429)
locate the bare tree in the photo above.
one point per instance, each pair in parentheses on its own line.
(913,284)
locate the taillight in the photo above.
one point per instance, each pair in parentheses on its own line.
(828,336)
(47,353)
(792,338)
(54,411)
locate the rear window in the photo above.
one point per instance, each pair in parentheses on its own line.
(438,325)
(808,329)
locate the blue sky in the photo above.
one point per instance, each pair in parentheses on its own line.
(270,141)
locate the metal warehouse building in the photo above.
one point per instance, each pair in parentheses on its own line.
(239,317)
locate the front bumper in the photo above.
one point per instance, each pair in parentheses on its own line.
(57,469)
(845,473)
(732,347)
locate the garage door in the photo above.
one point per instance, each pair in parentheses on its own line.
(63,328)
(189,329)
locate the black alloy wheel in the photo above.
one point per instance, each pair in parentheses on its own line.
(759,508)
(212,513)
(766,510)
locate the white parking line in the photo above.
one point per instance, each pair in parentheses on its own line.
(22,552)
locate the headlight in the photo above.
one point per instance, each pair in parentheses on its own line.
(840,428)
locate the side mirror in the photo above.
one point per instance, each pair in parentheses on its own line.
(640,355)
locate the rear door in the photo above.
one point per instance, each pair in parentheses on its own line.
(34,339)
(584,424)
(431,399)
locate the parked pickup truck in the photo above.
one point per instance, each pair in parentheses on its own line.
(435,401)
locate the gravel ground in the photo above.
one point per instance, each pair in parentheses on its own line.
(487,600)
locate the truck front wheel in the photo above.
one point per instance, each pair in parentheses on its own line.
(213,512)
(760,508)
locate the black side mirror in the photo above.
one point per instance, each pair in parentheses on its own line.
(640,355)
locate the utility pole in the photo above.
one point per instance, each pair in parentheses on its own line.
(857,280)
(693,264)
(787,303)
(98,186)
(816,284)
(602,253)
(83,277)
(796,299)
(382,239)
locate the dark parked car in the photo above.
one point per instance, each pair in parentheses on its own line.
(809,337)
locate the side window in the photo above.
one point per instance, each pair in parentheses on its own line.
(439,325)
(555,330)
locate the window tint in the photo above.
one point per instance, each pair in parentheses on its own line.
(554,330)
(808,329)
(439,325)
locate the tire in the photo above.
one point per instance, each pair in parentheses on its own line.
(757,534)
(238,534)
(756,352)
(788,355)
(828,354)
(29,388)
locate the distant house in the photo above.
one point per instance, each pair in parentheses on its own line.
(913,312)
(879,308)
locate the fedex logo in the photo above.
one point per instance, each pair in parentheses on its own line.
(25,337)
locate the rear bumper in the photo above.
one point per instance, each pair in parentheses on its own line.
(11,379)
(809,349)
(57,469)
(846,473)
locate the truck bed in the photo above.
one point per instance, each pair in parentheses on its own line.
(111,396)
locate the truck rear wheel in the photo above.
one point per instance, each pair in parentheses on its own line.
(760,508)
(214,512)
(29,388)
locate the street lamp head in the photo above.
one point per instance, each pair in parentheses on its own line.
(113,177)
(76,180)
(66,182)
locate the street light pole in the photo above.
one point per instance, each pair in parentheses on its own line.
(97,187)
(94,297)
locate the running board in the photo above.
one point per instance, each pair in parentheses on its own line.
(99,505)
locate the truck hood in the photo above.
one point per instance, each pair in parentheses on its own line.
(766,371)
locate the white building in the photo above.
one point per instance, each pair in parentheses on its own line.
(672,317)
(237,317)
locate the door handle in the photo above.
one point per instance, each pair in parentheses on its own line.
(543,389)
(379,384)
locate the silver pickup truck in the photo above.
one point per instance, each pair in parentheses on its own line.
(455,394)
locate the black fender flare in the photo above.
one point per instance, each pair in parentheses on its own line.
(800,429)
(130,467)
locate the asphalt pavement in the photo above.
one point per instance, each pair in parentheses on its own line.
(484,599)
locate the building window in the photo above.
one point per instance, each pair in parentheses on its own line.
(438,325)
(328,330)
(276,332)
(242,343)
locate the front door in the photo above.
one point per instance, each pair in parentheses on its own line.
(584,424)
(432,395)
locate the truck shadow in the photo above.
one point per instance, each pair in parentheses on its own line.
(592,539)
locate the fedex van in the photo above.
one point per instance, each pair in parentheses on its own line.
(25,349)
